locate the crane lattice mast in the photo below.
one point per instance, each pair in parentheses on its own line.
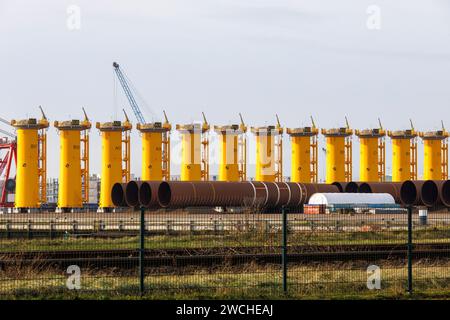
(128,93)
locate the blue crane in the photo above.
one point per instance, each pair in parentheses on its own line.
(128,93)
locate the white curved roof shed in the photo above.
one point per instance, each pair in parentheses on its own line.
(351,198)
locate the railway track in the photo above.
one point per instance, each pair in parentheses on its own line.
(129,258)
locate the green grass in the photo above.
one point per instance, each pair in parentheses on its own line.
(230,239)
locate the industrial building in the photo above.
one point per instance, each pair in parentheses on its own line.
(321,203)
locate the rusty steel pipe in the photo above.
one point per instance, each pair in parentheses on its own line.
(312,188)
(340,185)
(393,188)
(444,192)
(351,186)
(292,194)
(436,193)
(249,193)
(132,193)
(430,193)
(211,193)
(411,192)
(118,194)
(148,194)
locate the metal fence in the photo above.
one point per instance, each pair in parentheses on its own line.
(196,253)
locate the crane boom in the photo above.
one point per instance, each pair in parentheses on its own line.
(5,121)
(9,134)
(128,93)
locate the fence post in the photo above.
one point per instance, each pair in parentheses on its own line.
(141,251)
(284,249)
(410,248)
(51,229)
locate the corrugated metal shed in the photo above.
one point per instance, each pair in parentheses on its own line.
(351,198)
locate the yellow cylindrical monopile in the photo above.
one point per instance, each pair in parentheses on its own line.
(191,168)
(336,156)
(27,176)
(112,158)
(69,192)
(372,164)
(368,159)
(154,141)
(335,159)
(301,159)
(432,160)
(111,165)
(229,166)
(28,171)
(70,172)
(191,151)
(152,156)
(232,158)
(435,154)
(266,162)
(401,159)
(304,151)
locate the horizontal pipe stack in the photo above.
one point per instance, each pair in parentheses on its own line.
(181,194)
(268,195)
(429,193)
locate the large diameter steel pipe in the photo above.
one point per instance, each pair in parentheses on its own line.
(444,193)
(436,192)
(249,193)
(132,193)
(292,194)
(212,193)
(393,188)
(340,185)
(148,194)
(430,193)
(411,192)
(118,194)
(351,187)
(191,193)
(312,188)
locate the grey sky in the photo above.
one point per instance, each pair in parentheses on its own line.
(296,58)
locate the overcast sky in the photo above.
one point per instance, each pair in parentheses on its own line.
(291,57)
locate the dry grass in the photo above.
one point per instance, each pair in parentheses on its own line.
(249,237)
(328,280)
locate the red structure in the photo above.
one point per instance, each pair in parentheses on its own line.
(8,154)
